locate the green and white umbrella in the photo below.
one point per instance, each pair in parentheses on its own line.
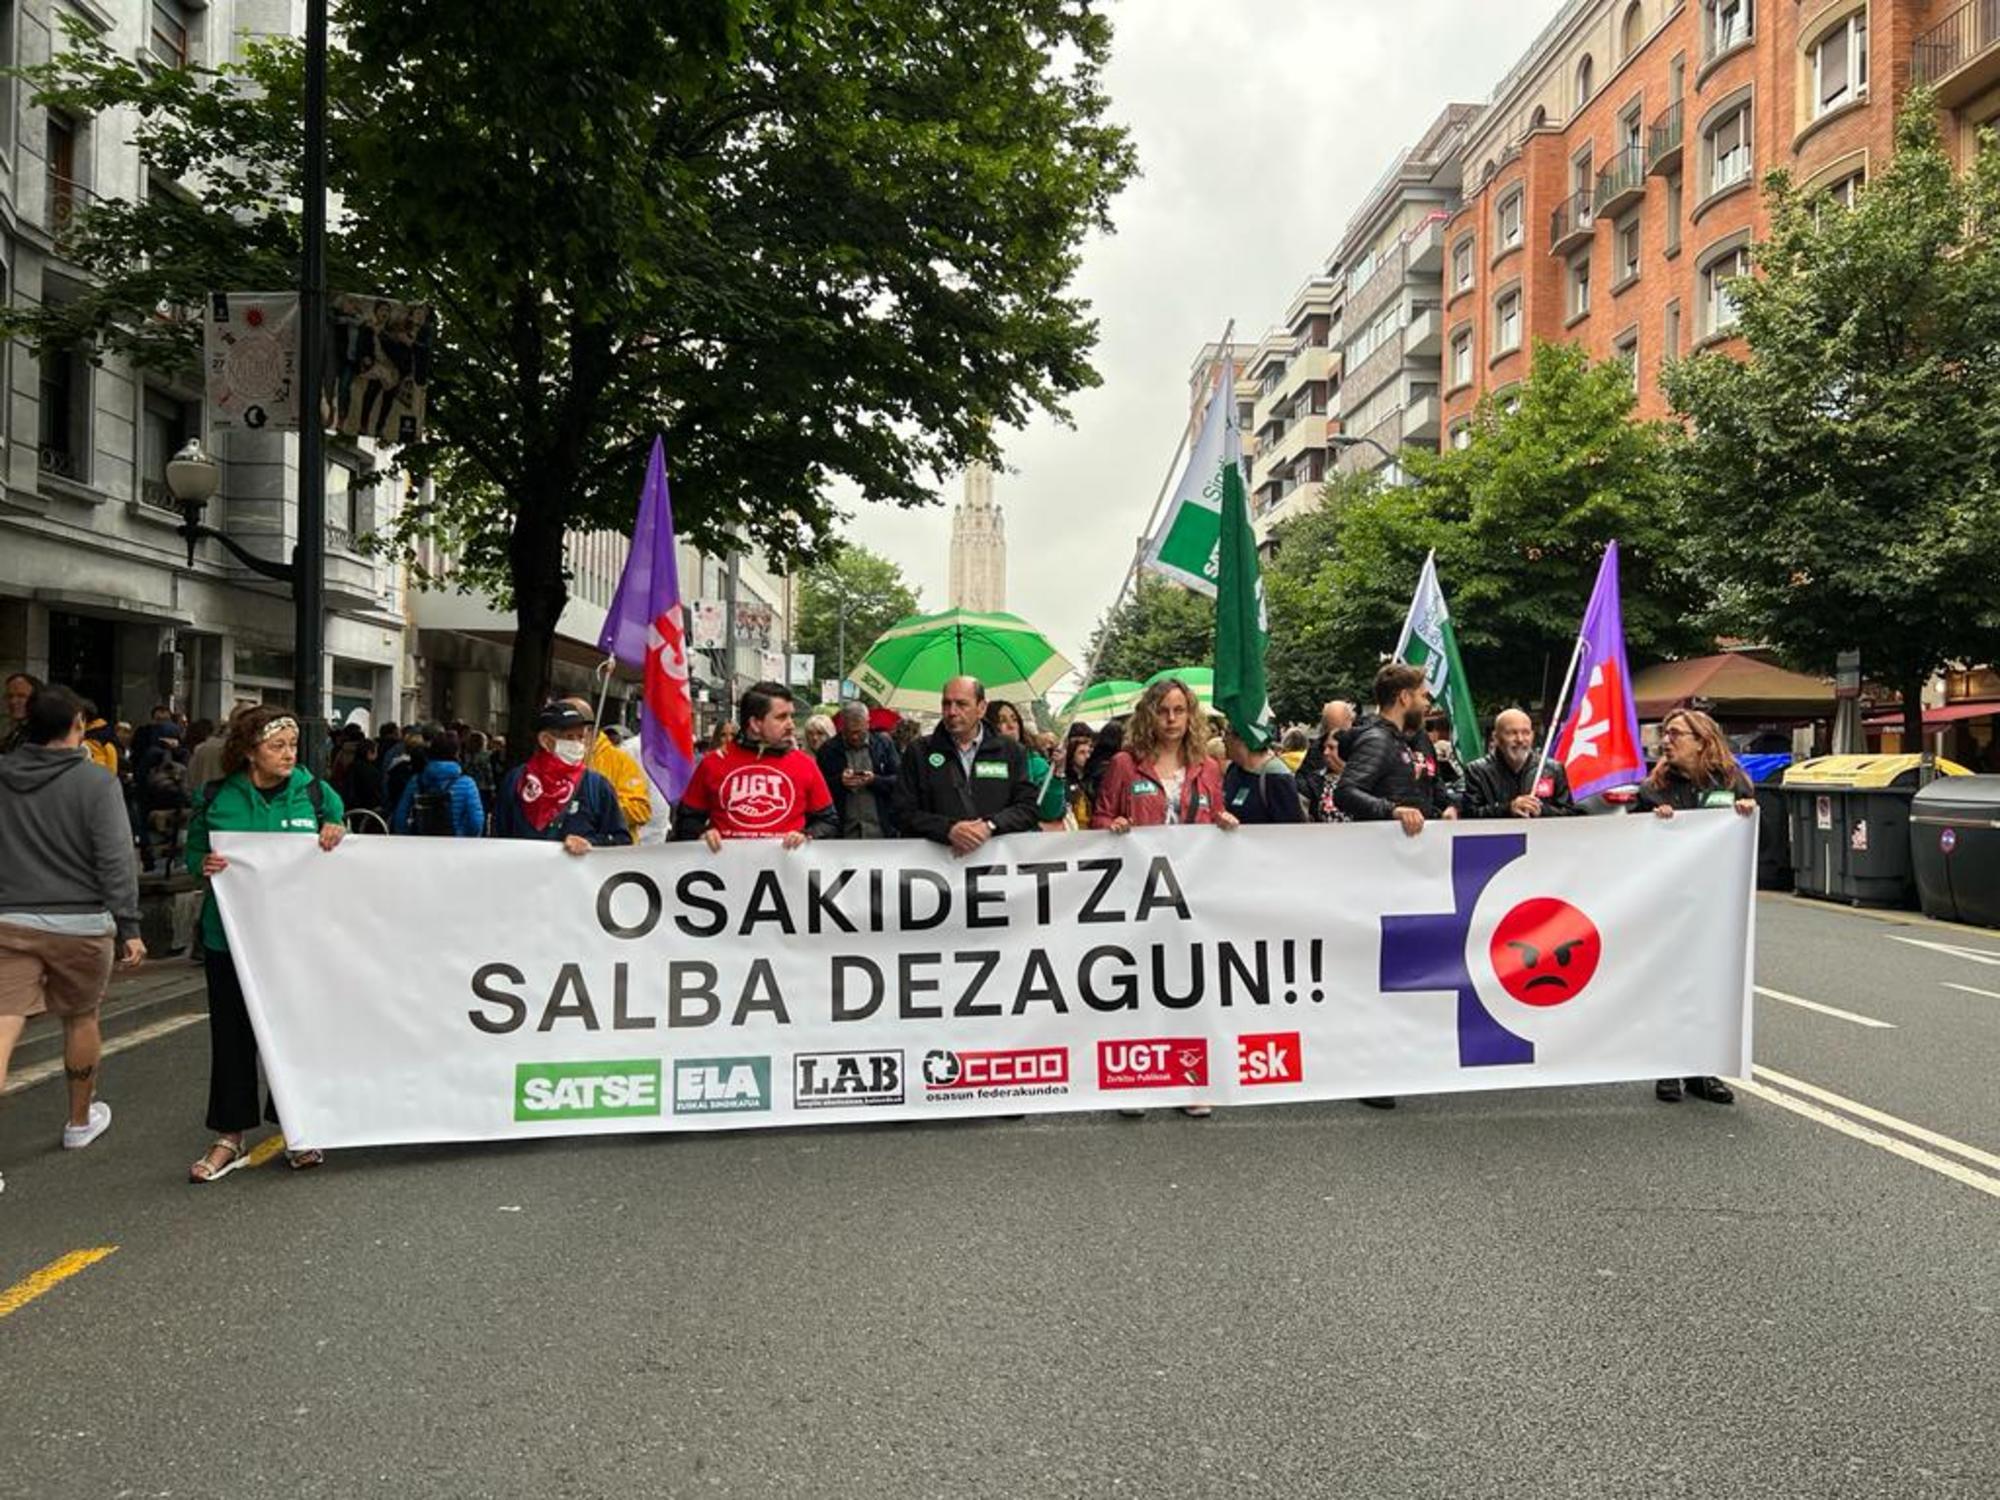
(1103,700)
(909,664)
(1201,680)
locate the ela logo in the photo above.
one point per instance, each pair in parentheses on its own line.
(834,1080)
(623,1089)
(1543,952)
(722,1085)
(1270,1057)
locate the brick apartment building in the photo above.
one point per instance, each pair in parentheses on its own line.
(1611,188)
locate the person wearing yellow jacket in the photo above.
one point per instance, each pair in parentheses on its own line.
(622,770)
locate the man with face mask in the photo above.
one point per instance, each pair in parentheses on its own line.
(1392,769)
(1511,782)
(554,795)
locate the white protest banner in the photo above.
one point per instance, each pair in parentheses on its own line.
(408,990)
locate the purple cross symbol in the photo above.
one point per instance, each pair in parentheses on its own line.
(1427,952)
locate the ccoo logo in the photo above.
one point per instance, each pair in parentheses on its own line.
(1543,952)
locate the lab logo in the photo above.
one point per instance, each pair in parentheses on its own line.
(722,1085)
(837,1080)
(619,1090)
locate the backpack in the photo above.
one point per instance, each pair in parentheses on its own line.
(430,811)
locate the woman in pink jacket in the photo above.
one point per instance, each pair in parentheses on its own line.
(1163,778)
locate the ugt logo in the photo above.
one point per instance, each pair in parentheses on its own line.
(1543,952)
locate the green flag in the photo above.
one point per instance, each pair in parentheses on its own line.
(1430,642)
(1185,548)
(1242,630)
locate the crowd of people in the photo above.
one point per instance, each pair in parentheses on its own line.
(75,839)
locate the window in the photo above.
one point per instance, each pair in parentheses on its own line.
(1628,250)
(167,422)
(1726,149)
(342,498)
(1633,30)
(1677,79)
(1631,133)
(1579,287)
(1581,177)
(1585,78)
(1626,352)
(1461,359)
(170,33)
(1461,264)
(1670,347)
(1727,24)
(1840,65)
(1508,225)
(1674,215)
(1461,435)
(1539,118)
(65,412)
(1507,322)
(64,191)
(1844,191)
(1718,307)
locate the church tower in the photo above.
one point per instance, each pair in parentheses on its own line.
(978,546)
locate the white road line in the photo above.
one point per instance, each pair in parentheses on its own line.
(1954,950)
(1876,1116)
(27,1078)
(1943,1166)
(1826,1010)
(1989,994)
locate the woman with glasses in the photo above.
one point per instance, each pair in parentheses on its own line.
(1695,771)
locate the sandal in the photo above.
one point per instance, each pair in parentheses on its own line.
(234,1156)
(300,1160)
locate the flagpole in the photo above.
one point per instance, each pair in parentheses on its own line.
(604,670)
(1562,703)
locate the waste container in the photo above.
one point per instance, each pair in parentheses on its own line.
(1955,846)
(1774,832)
(1850,826)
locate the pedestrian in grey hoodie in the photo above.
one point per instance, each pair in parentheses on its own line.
(69,895)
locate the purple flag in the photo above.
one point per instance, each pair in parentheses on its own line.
(644,630)
(1599,744)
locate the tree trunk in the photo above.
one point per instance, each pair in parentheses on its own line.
(1913,713)
(535,556)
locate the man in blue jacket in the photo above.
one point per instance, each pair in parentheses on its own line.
(441,800)
(554,796)
(861,766)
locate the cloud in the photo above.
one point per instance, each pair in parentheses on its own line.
(1259,125)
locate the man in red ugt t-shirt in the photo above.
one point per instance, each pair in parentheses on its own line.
(761,787)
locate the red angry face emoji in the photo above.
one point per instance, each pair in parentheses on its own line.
(1545,951)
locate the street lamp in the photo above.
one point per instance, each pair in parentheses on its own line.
(1348,440)
(192,479)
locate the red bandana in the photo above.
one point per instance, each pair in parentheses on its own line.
(547,784)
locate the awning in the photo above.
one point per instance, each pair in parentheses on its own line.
(1739,686)
(1937,718)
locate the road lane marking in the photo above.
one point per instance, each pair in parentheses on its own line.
(1988,994)
(1954,950)
(1825,1010)
(264,1150)
(1943,1166)
(52,1275)
(42,1072)
(1879,1117)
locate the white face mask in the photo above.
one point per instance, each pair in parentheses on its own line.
(571,752)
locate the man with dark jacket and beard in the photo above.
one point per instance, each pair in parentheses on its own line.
(1392,769)
(1510,782)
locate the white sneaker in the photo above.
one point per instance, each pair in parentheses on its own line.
(76,1137)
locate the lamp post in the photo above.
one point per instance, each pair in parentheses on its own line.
(1348,440)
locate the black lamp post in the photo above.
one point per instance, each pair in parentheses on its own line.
(1348,440)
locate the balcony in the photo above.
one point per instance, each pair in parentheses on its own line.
(1424,339)
(1427,249)
(1663,140)
(1622,182)
(1364,458)
(67,200)
(1960,56)
(1421,420)
(1570,224)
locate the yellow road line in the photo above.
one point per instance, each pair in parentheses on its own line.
(1943,1166)
(29,1287)
(263,1151)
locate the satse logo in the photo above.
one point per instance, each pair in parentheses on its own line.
(1544,951)
(722,1085)
(587,1090)
(1160,1062)
(1270,1057)
(832,1080)
(955,1072)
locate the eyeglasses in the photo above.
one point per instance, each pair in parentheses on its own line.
(1676,734)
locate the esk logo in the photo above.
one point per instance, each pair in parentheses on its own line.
(1543,952)
(1270,1057)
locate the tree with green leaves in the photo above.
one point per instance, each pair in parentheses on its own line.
(1554,472)
(1157,625)
(809,240)
(1842,487)
(846,599)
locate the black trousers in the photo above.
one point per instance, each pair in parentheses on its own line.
(232,1051)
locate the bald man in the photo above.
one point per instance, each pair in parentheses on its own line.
(1510,781)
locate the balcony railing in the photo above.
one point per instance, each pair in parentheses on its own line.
(1663,140)
(1571,223)
(62,462)
(67,199)
(1955,41)
(1622,180)
(154,494)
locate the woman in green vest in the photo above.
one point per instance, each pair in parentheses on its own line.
(263,789)
(1005,720)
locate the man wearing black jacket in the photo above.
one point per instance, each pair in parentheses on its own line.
(1392,770)
(964,784)
(1510,782)
(861,768)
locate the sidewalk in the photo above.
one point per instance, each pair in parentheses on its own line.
(158,988)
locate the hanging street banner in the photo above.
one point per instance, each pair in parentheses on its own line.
(495,990)
(250,358)
(379,367)
(1187,545)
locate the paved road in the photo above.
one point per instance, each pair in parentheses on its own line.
(1559,1293)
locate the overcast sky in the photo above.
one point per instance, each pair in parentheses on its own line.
(1222,222)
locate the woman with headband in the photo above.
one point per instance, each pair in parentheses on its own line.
(263,789)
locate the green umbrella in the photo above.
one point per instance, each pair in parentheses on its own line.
(911,661)
(1200,679)
(1103,700)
